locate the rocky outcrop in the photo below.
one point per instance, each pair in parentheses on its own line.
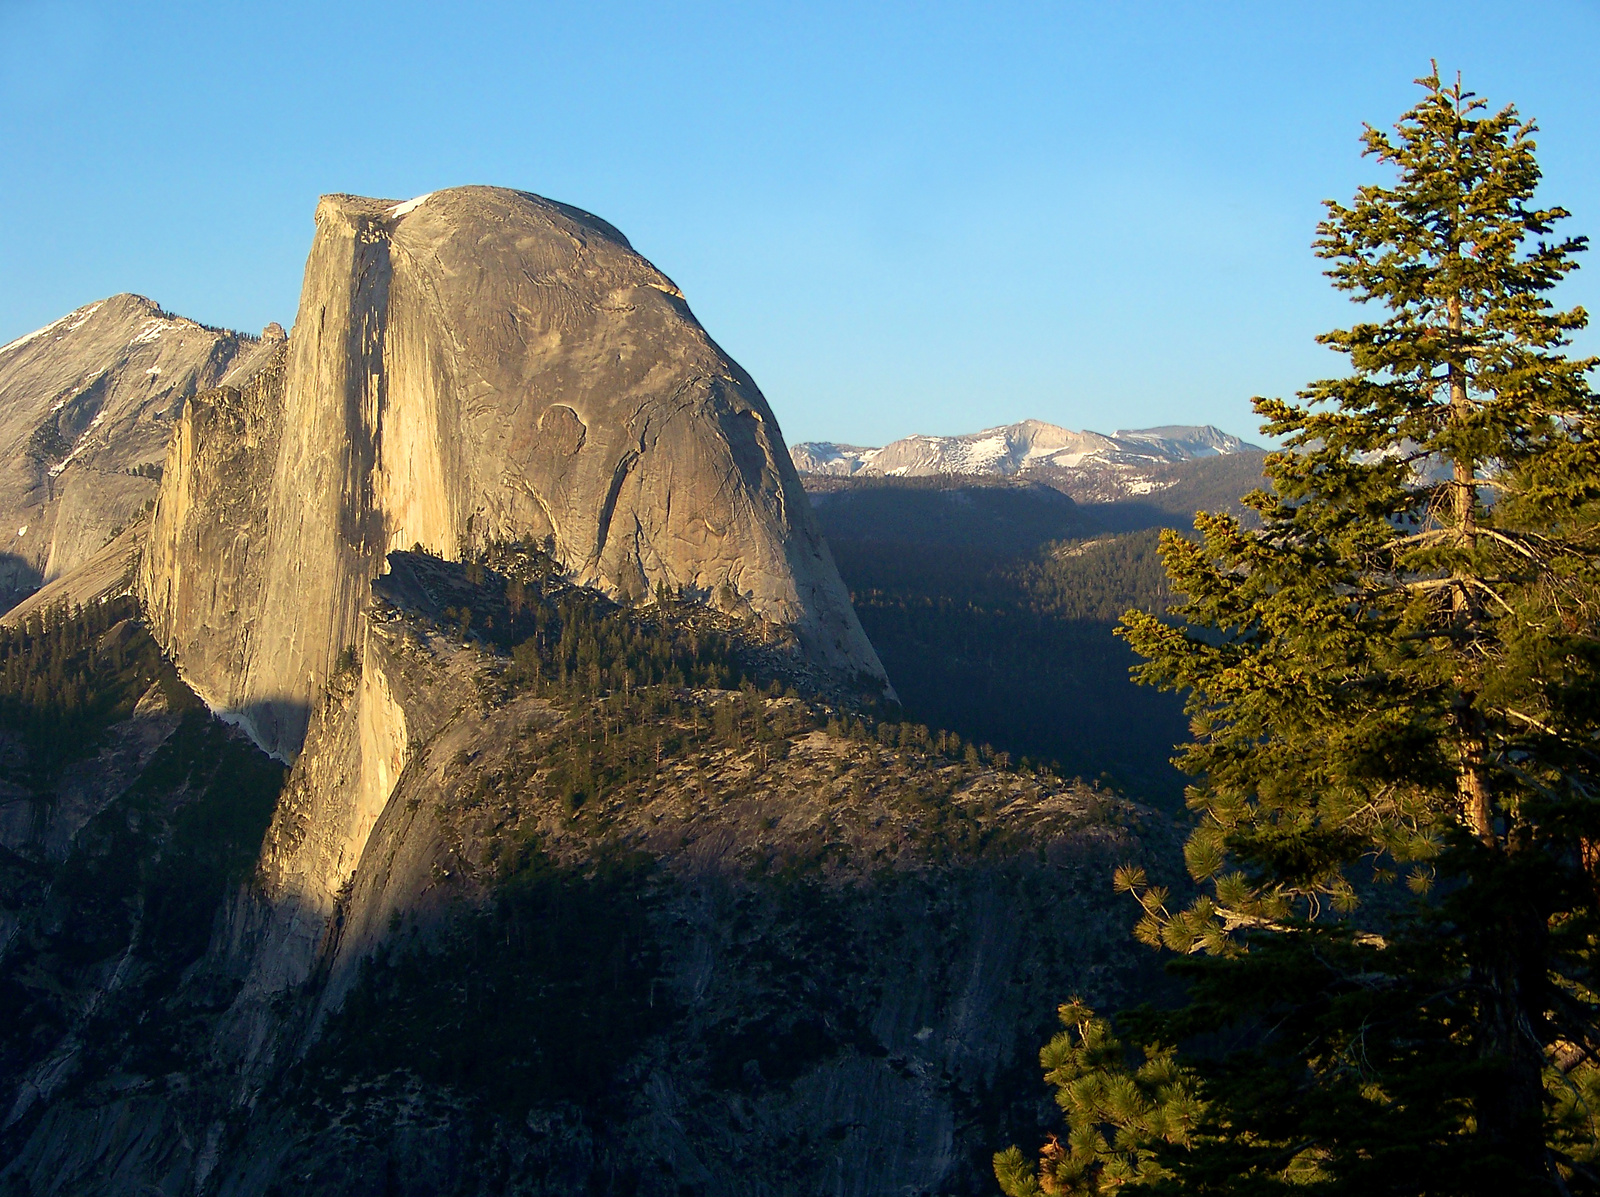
(106,575)
(203,569)
(87,404)
(478,365)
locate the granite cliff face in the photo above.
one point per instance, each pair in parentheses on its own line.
(84,403)
(477,365)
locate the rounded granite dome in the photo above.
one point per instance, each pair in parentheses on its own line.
(483,364)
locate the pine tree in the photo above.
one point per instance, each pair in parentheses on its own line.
(1394,687)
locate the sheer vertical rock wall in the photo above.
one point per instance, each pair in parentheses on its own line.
(480,364)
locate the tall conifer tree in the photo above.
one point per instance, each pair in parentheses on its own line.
(1395,694)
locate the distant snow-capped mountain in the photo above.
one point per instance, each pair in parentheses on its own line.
(1016,448)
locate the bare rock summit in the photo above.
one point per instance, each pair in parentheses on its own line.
(473,365)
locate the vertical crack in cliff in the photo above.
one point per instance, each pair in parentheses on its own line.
(608,509)
(366,395)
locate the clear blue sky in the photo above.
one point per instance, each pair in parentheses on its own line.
(900,218)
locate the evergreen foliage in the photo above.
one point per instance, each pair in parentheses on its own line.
(1395,695)
(67,674)
(539,997)
(571,642)
(624,738)
(644,689)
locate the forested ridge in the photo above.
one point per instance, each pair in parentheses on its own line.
(128,813)
(632,679)
(66,675)
(637,789)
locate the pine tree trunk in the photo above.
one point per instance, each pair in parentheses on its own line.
(1508,965)
(1473,785)
(1509,959)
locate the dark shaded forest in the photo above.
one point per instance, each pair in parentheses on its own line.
(141,877)
(1018,652)
(992,603)
(66,676)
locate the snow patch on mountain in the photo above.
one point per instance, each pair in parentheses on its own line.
(410,205)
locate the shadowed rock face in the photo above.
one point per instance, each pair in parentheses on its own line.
(479,364)
(83,402)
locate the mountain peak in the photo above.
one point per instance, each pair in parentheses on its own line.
(86,407)
(542,383)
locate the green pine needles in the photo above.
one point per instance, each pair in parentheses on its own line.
(1394,688)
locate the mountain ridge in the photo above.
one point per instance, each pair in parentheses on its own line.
(1011,449)
(87,405)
